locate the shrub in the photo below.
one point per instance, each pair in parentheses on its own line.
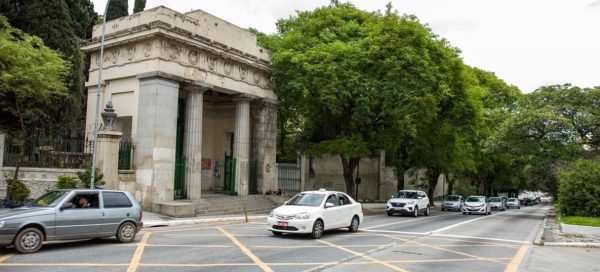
(65,182)
(86,175)
(17,191)
(579,189)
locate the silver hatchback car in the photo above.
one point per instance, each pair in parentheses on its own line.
(71,215)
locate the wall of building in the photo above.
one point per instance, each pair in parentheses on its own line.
(217,127)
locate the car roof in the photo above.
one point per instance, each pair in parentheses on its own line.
(476,196)
(87,190)
(416,191)
(321,192)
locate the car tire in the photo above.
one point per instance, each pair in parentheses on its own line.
(354,224)
(126,232)
(519,208)
(442,209)
(427,211)
(29,240)
(465,213)
(317,230)
(277,233)
(416,212)
(390,213)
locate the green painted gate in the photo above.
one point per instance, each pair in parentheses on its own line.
(253,184)
(179,179)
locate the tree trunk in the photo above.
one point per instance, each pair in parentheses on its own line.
(433,174)
(349,166)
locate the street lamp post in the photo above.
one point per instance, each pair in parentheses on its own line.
(98,90)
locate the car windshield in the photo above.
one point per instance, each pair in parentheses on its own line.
(452,198)
(309,199)
(494,199)
(49,199)
(405,194)
(475,199)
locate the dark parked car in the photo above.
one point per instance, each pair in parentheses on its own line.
(70,215)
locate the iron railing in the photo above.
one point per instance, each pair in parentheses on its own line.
(48,152)
(288,178)
(126,147)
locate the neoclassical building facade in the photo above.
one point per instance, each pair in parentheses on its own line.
(190,89)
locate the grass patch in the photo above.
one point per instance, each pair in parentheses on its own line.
(582,221)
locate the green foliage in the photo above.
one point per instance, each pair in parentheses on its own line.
(464,188)
(579,189)
(66,182)
(582,221)
(117,9)
(86,175)
(139,5)
(31,76)
(18,191)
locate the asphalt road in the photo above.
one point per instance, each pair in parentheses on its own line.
(443,241)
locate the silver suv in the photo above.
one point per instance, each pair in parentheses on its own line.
(70,215)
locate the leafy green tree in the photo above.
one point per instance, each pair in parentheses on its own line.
(117,9)
(139,5)
(31,75)
(361,81)
(579,190)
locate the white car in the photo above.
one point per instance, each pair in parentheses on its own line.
(408,202)
(314,212)
(477,204)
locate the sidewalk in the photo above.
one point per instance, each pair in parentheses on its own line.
(552,234)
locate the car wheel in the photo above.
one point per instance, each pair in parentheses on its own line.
(519,208)
(317,231)
(416,213)
(427,211)
(29,240)
(442,209)
(390,213)
(354,224)
(126,232)
(277,233)
(464,213)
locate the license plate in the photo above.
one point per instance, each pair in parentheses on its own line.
(282,223)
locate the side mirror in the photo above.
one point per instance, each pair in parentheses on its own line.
(67,205)
(329,205)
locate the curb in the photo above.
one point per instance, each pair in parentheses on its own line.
(572,244)
(538,238)
(190,221)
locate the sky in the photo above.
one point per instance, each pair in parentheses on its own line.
(527,43)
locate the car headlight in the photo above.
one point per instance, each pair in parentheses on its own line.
(2,224)
(303,215)
(271,214)
(411,202)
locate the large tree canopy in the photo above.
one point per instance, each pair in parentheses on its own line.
(117,9)
(363,81)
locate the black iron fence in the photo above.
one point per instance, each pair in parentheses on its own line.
(48,152)
(288,178)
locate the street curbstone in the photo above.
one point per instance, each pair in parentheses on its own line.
(193,221)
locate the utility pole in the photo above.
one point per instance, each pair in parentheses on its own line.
(98,90)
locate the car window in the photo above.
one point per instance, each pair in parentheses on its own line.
(309,199)
(344,199)
(452,198)
(493,199)
(405,194)
(475,199)
(50,199)
(333,199)
(85,201)
(116,200)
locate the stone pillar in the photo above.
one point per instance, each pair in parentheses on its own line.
(193,141)
(264,147)
(108,158)
(241,143)
(156,139)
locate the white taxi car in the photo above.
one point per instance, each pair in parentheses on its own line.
(314,212)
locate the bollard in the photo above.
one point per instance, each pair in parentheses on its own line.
(245,214)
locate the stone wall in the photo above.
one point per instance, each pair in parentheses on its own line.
(38,180)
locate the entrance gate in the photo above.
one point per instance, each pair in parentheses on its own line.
(179,188)
(224,176)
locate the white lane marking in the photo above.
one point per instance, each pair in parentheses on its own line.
(469,221)
(397,232)
(450,236)
(482,238)
(407,221)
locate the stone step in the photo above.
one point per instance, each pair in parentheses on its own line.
(234,204)
(251,211)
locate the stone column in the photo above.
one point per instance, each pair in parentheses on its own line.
(241,143)
(108,158)
(193,141)
(156,139)
(264,147)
